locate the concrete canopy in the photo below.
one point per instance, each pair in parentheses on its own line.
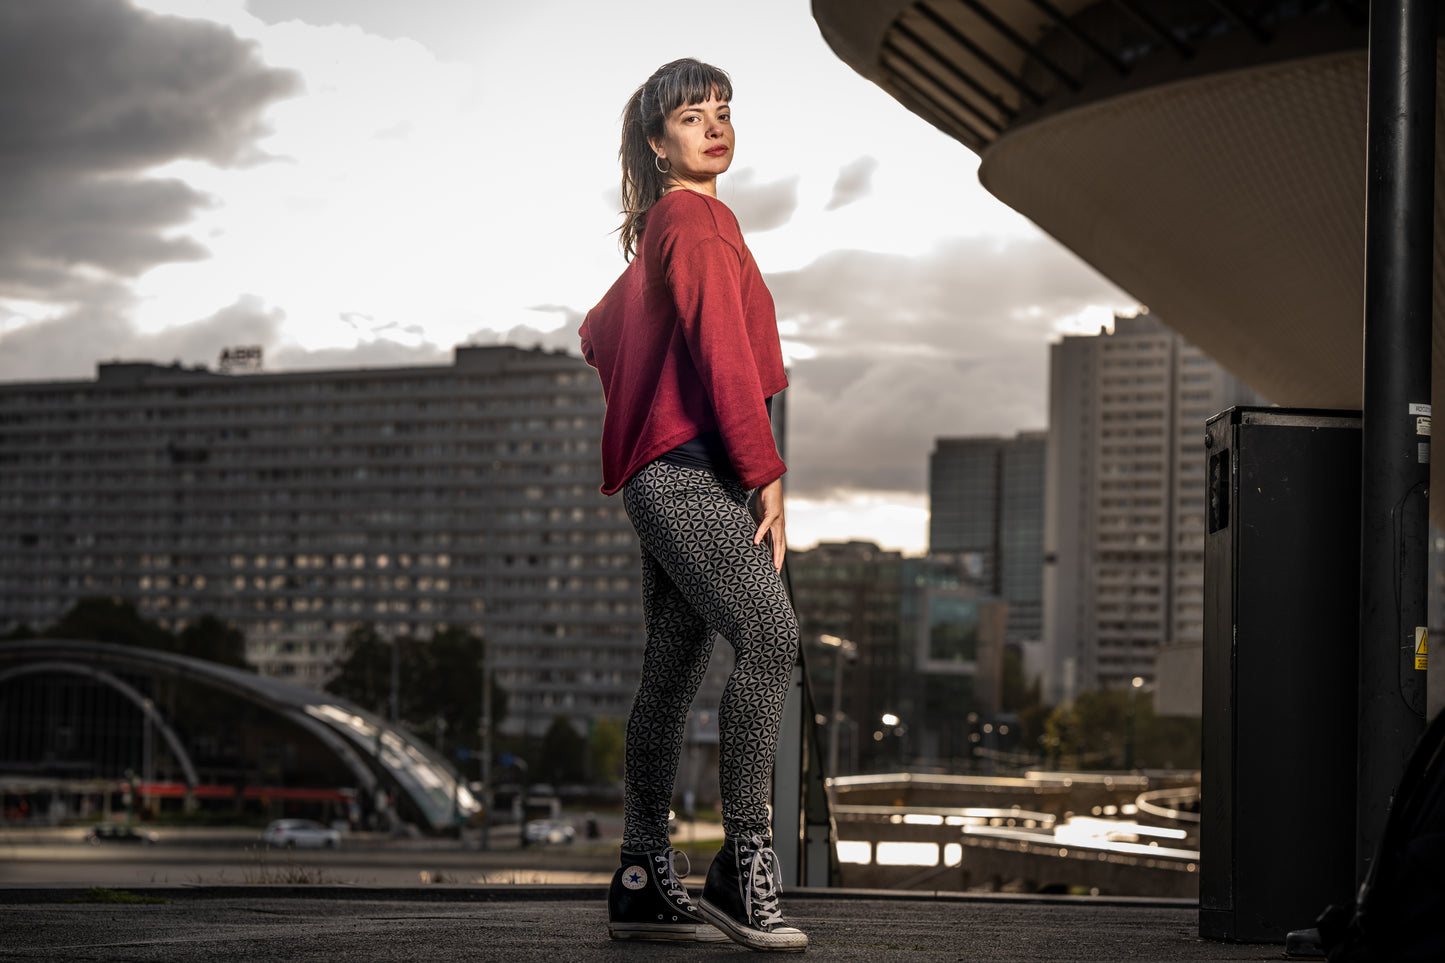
(366,745)
(1208,156)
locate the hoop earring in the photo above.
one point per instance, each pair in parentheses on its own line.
(657,162)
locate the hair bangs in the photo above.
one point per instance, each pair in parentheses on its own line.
(691,83)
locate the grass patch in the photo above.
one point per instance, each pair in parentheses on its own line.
(100,894)
(293,874)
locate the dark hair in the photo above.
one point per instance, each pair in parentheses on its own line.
(678,84)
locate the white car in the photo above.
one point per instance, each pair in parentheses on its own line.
(300,833)
(547,831)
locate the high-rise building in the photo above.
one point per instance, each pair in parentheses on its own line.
(1124,541)
(299,505)
(986,504)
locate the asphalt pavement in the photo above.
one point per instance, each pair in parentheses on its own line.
(560,924)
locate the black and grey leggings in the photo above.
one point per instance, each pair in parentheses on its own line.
(701,573)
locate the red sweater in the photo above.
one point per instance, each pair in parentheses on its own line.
(685,342)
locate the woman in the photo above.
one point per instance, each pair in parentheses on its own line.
(686,344)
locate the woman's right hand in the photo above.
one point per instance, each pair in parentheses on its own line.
(769,512)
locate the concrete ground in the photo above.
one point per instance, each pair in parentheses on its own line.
(559,924)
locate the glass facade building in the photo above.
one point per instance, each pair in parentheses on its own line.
(986,504)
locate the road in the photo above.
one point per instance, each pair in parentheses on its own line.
(199,857)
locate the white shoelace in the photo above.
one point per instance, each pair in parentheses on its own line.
(671,880)
(761,865)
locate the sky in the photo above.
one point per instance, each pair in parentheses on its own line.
(372,182)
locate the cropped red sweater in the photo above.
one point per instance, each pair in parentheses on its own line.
(686,341)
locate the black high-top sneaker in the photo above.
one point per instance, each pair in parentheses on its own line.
(647,901)
(740,897)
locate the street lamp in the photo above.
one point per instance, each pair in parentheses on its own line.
(1136,685)
(893,726)
(842,649)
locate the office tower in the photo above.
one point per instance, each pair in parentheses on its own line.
(1124,537)
(300,505)
(986,504)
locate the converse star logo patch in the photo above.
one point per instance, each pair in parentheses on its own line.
(634,877)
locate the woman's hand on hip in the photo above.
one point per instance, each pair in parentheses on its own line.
(768,509)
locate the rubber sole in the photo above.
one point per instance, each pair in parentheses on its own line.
(794,941)
(667,932)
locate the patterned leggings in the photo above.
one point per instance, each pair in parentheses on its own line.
(702,573)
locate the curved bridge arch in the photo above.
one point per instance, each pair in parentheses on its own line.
(145,705)
(367,745)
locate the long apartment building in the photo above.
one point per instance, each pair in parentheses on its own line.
(1124,529)
(299,505)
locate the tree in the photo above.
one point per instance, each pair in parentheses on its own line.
(363,673)
(110,620)
(564,754)
(454,668)
(438,679)
(604,748)
(216,641)
(1104,728)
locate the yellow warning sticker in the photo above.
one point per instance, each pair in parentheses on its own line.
(1422,652)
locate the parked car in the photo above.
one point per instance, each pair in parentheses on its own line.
(548,831)
(119,834)
(300,833)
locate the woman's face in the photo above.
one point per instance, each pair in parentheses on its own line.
(697,144)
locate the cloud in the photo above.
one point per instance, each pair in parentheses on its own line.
(570,315)
(380,353)
(69,346)
(902,350)
(93,94)
(855,181)
(526,336)
(759,207)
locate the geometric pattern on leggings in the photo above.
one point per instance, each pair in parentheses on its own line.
(702,573)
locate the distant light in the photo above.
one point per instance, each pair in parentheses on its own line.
(907,854)
(889,719)
(1138,682)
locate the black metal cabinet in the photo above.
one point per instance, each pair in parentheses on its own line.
(1281,629)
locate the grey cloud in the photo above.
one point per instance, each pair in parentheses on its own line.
(99,86)
(526,336)
(759,207)
(379,353)
(912,348)
(855,181)
(69,346)
(570,315)
(93,93)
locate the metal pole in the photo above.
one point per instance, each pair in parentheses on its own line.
(1399,208)
(837,719)
(485,727)
(842,649)
(395,680)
